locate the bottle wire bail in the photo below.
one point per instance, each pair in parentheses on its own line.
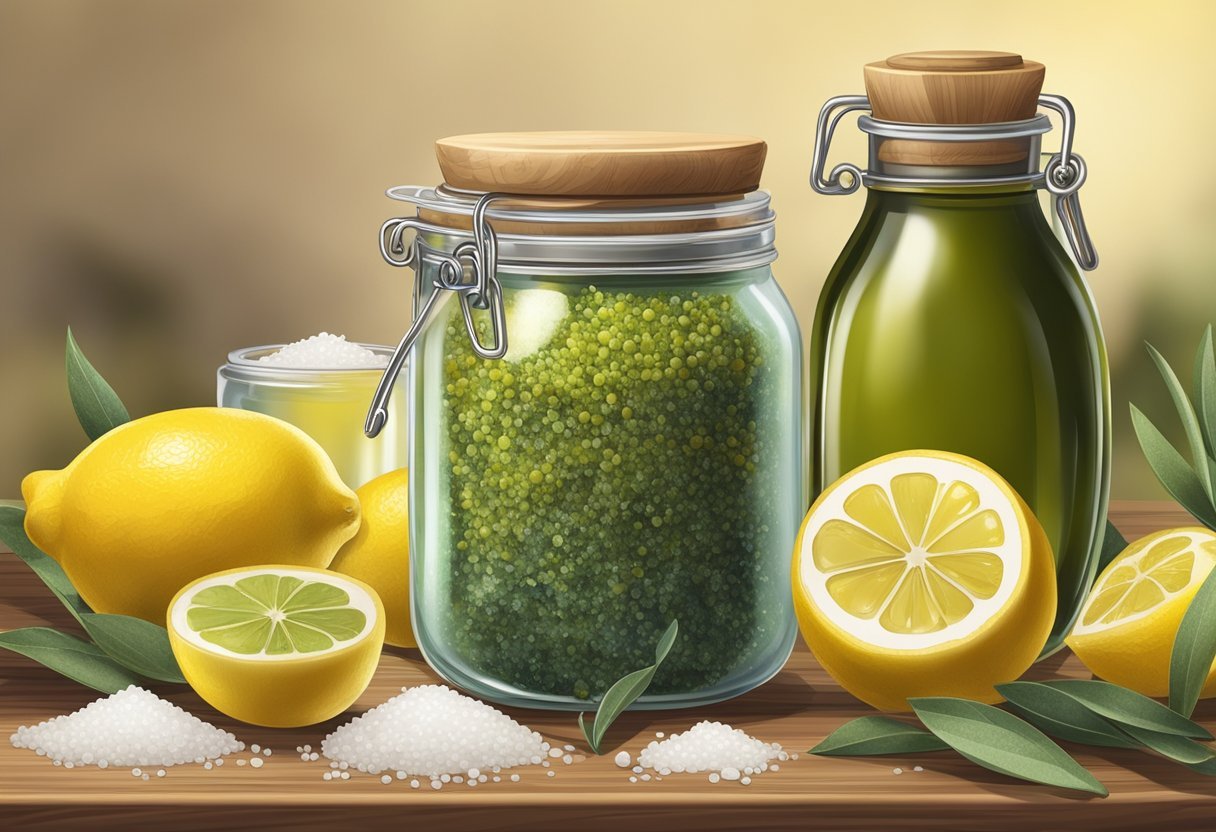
(1062,176)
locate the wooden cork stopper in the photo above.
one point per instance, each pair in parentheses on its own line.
(954,87)
(612,164)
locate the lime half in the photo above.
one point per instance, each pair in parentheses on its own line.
(277,645)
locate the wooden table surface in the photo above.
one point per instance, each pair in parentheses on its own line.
(797,709)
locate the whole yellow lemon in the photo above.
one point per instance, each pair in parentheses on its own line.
(166,499)
(379,554)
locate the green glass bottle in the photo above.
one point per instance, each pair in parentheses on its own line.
(955,320)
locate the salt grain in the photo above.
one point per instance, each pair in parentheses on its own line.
(431,730)
(256,762)
(709,746)
(130,728)
(325,352)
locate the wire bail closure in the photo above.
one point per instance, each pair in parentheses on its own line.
(470,271)
(1062,176)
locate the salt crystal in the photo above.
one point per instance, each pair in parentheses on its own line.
(130,728)
(325,352)
(256,762)
(433,730)
(386,779)
(710,746)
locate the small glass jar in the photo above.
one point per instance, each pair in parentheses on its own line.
(325,404)
(612,444)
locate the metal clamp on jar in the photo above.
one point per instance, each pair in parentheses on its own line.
(606,435)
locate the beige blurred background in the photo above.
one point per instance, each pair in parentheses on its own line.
(178,179)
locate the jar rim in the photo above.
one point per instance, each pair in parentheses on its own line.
(601,237)
(244,362)
(744,209)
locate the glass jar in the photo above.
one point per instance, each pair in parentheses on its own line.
(325,404)
(616,446)
(955,320)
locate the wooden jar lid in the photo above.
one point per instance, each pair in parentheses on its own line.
(954,87)
(610,164)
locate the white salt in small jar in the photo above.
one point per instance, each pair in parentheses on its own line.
(321,385)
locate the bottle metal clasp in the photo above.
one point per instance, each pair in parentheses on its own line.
(1063,175)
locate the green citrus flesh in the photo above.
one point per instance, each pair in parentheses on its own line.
(274,615)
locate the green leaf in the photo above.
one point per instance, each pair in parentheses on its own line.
(1205,389)
(1126,707)
(1178,749)
(1190,422)
(97,405)
(1194,649)
(136,644)
(1056,713)
(12,532)
(65,654)
(1001,742)
(875,736)
(1207,767)
(1173,471)
(1113,542)
(625,691)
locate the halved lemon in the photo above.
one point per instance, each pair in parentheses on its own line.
(277,645)
(1125,632)
(923,573)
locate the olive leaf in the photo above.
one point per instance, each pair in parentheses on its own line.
(1172,470)
(875,736)
(1057,714)
(65,654)
(96,404)
(1113,542)
(1126,707)
(1194,648)
(136,644)
(1178,749)
(12,533)
(1193,484)
(625,691)
(1205,389)
(1190,422)
(1001,742)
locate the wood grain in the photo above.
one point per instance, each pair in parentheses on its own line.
(954,87)
(602,163)
(797,708)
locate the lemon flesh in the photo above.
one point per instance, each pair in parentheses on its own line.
(274,615)
(923,573)
(278,645)
(1125,632)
